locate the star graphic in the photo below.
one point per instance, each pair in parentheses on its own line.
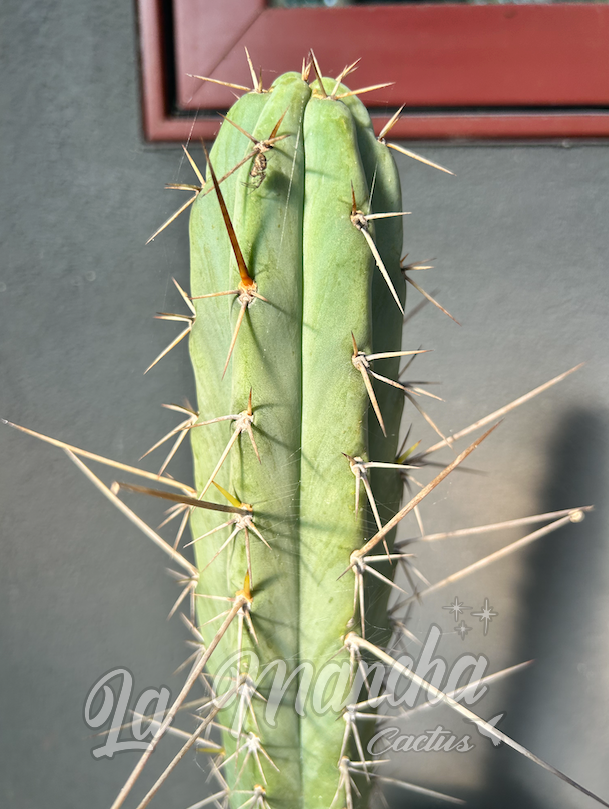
(462,629)
(493,723)
(486,614)
(456,607)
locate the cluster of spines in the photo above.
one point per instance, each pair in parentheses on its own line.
(248,747)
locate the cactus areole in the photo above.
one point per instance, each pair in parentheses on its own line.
(303,305)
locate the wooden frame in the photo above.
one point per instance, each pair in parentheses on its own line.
(495,71)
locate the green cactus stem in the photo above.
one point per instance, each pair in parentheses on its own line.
(310,405)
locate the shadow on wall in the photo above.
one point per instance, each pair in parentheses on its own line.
(551,705)
(553,709)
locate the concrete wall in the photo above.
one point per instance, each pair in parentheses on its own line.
(521,240)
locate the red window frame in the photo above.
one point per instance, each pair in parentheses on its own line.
(463,71)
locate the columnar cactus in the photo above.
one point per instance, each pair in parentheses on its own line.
(296,306)
(312,269)
(304,239)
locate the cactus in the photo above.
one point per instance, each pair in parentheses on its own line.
(295,319)
(294,356)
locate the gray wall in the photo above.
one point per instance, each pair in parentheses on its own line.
(521,241)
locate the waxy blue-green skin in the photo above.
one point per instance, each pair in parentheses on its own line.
(309,403)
